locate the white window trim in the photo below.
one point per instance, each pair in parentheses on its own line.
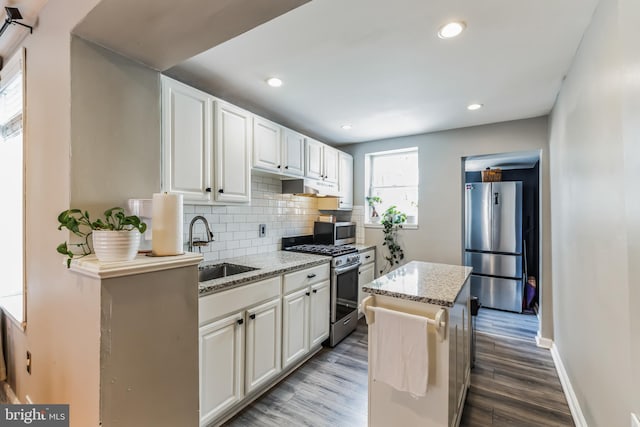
(367,183)
(14,65)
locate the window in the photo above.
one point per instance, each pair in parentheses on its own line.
(12,178)
(393,177)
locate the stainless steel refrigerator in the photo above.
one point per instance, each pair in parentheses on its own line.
(493,243)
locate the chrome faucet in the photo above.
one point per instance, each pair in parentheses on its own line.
(199,243)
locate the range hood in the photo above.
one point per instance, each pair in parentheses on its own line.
(309,188)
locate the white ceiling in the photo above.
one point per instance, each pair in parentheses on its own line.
(162,33)
(380,66)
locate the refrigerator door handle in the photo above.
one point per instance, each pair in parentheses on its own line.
(496,196)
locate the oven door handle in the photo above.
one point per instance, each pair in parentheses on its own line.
(340,270)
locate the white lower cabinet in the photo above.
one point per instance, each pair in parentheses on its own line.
(319,313)
(295,330)
(250,333)
(305,320)
(263,344)
(366,274)
(221,365)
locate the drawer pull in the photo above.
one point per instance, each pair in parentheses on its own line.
(311,276)
(367,257)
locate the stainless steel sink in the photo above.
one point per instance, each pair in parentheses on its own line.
(216,271)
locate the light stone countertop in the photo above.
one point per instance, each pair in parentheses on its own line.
(425,282)
(269,265)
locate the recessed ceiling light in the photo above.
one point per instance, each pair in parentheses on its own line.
(346,126)
(473,107)
(452,29)
(274,82)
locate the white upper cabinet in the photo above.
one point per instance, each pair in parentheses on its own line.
(293,153)
(186,141)
(314,159)
(266,145)
(232,153)
(345,180)
(330,163)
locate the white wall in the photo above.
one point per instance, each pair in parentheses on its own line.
(115,128)
(235,228)
(439,236)
(594,136)
(62,330)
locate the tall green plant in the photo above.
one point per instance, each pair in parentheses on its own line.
(80,224)
(392,220)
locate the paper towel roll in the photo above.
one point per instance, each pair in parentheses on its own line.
(167,223)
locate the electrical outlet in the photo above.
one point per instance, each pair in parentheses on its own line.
(635,421)
(29,362)
(262,230)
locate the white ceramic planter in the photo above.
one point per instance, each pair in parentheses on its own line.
(113,246)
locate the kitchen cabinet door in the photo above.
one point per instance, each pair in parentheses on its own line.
(313,159)
(295,326)
(232,154)
(330,162)
(345,180)
(293,153)
(186,141)
(366,274)
(263,344)
(266,145)
(221,366)
(319,313)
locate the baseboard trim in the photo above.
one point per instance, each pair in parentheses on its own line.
(572,400)
(543,342)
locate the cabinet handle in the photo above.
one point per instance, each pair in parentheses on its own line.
(240,321)
(359,272)
(315,291)
(286,167)
(208,189)
(367,257)
(221,191)
(252,316)
(308,293)
(278,166)
(311,276)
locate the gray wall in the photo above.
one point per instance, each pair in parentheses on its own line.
(439,236)
(115,128)
(594,134)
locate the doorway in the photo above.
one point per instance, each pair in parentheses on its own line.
(507,271)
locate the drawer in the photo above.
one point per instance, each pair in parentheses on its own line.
(494,292)
(309,276)
(211,307)
(495,264)
(368,256)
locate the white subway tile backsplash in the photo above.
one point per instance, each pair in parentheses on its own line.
(235,228)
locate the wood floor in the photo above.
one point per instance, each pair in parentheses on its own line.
(514,383)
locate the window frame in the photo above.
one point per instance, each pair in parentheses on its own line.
(8,72)
(368,182)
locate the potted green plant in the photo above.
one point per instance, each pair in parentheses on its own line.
(116,238)
(392,220)
(373,201)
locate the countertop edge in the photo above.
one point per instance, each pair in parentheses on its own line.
(256,276)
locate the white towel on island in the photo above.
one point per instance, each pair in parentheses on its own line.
(400,351)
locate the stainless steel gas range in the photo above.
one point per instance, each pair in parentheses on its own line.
(344,282)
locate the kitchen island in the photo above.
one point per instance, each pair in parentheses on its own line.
(435,291)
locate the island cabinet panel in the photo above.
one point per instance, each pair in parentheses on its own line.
(438,291)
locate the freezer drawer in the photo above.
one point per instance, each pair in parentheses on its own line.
(503,294)
(494,264)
